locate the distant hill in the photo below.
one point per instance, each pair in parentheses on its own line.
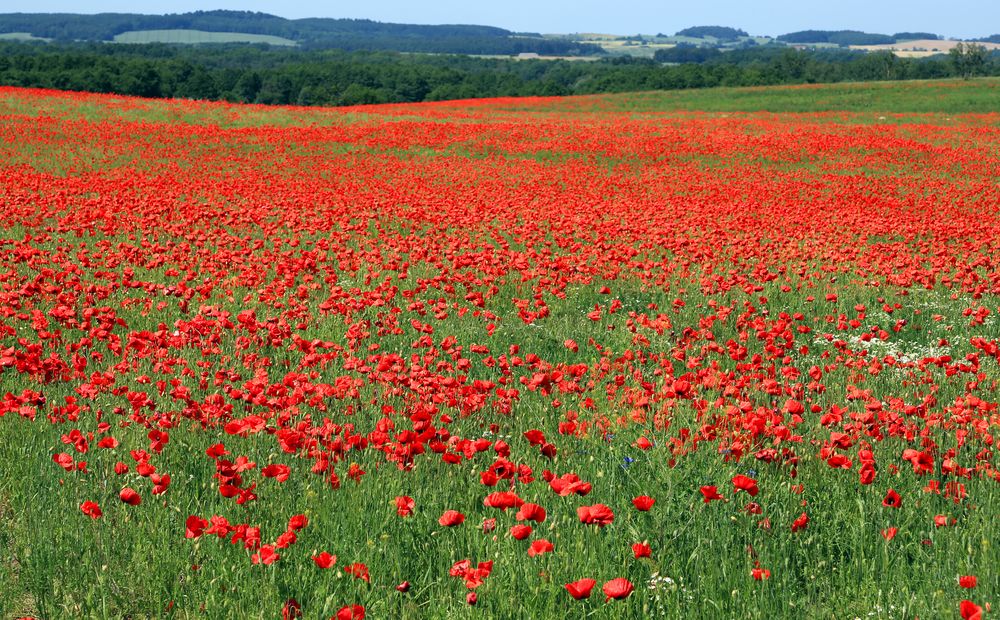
(994,38)
(719,32)
(836,37)
(347,34)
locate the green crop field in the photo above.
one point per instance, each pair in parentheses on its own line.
(20,36)
(196,37)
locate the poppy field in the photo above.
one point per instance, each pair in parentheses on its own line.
(593,357)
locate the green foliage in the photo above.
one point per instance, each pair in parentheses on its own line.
(837,37)
(317,33)
(687,53)
(719,32)
(914,36)
(259,74)
(969,59)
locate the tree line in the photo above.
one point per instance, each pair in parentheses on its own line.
(261,74)
(311,33)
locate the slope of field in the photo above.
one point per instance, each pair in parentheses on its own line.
(20,36)
(194,37)
(591,357)
(920,48)
(880,101)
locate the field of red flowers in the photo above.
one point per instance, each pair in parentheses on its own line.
(496,359)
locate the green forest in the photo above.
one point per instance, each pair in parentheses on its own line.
(271,75)
(310,33)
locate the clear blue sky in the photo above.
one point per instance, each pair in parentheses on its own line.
(959,18)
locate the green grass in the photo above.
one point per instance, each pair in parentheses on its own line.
(21,36)
(937,98)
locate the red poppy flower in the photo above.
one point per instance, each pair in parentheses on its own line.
(219,526)
(65,461)
(451,518)
(459,568)
(297,522)
(359,571)
(266,555)
(324,560)
(800,523)
(292,610)
(745,483)
(503,500)
(404,505)
(617,588)
(531,512)
(538,547)
(581,588)
(286,540)
(130,496)
(760,574)
(942,521)
(892,499)
(641,550)
(535,437)
(967,581)
(520,532)
(403,587)
(569,484)
(276,471)
(710,493)
(643,503)
(351,612)
(866,474)
(889,533)
(473,577)
(970,611)
(471,598)
(194,526)
(91,509)
(598,514)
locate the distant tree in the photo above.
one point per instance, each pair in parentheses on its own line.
(843,38)
(915,36)
(968,59)
(686,52)
(140,78)
(248,86)
(790,65)
(876,66)
(719,32)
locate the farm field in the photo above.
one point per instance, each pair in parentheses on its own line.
(195,37)
(720,354)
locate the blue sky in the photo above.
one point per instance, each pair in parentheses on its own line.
(959,18)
